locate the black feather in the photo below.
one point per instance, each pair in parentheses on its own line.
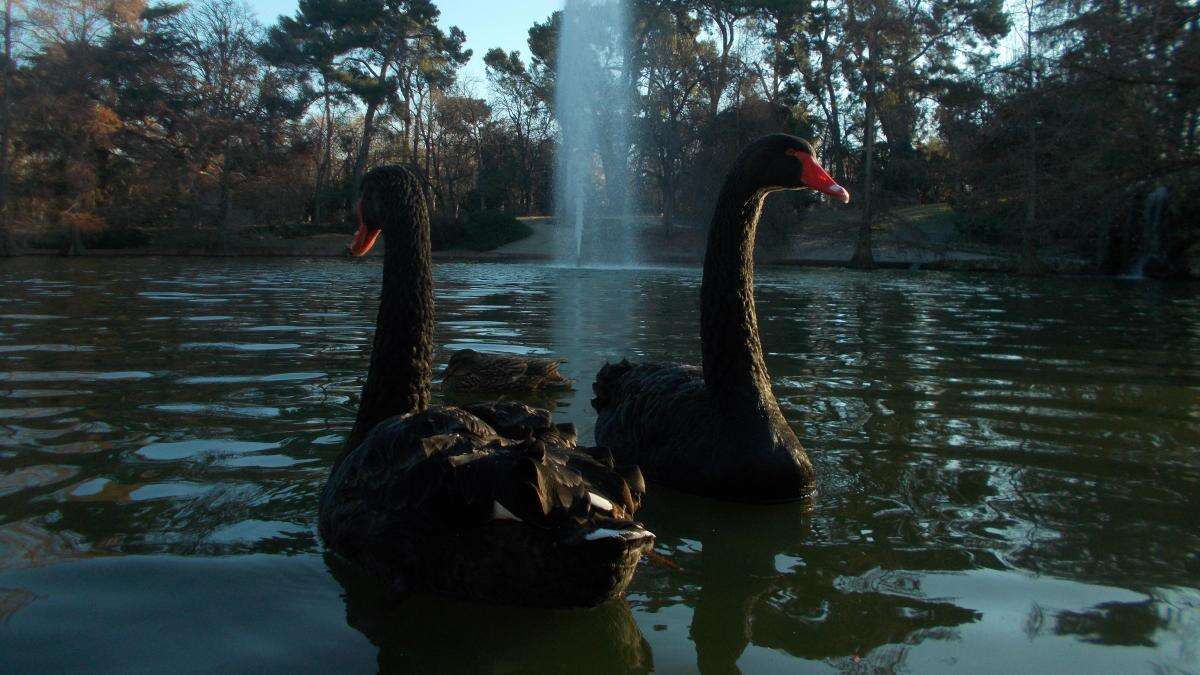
(415,496)
(716,431)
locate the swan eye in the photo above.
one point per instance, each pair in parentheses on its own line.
(797,154)
(600,502)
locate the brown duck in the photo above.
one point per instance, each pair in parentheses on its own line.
(472,371)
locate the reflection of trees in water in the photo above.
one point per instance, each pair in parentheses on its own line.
(1129,624)
(30,543)
(959,419)
(13,600)
(813,609)
(419,633)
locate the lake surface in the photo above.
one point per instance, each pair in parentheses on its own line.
(1010,473)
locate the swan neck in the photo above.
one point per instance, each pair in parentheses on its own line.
(733,361)
(402,353)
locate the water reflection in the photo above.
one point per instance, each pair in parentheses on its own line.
(751,576)
(418,633)
(1008,468)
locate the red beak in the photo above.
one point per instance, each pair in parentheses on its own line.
(365,238)
(816,178)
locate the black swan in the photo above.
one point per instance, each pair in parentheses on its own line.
(489,502)
(717,431)
(472,371)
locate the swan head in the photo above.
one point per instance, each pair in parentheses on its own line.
(784,162)
(389,199)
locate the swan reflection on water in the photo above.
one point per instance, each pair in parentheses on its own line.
(754,578)
(423,633)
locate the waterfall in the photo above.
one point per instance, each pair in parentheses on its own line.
(1152,218)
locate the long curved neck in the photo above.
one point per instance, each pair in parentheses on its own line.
(402,354)
(733,362)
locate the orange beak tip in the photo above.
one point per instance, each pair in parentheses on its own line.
(365,237)
(837,192)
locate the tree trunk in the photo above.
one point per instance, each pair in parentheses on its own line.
(668,200)
(836,163)
(1029,263)
(6,242)
(360,158)
(74,244)
(364,148)
(726,33)
(325,163)
(224,207)
(864,258)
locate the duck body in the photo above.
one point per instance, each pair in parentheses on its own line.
(489,502)
(717,430)
(470,371)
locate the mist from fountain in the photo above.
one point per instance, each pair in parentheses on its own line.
(594,201)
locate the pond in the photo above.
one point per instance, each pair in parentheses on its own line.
(1010,473)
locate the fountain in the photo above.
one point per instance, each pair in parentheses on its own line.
(1151,235)
(593,103)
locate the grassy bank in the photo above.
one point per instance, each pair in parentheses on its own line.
(917,237)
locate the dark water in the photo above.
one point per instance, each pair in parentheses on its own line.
(1010,474)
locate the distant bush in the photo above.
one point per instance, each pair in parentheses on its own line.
(488,230)
(107,238)
(335,223)
(446,233)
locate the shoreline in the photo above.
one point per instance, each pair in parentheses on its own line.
(822,243)
(945,264)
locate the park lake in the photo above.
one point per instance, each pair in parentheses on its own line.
(1009,473)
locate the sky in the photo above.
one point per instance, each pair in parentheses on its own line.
(487,23)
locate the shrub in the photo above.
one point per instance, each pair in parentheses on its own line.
(446,232)
(106,238)
(488,230)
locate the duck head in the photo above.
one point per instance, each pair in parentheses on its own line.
(783,162)
(460,361)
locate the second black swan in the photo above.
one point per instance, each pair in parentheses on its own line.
(489,502)
(717,430)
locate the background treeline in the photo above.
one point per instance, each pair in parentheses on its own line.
(1052,127)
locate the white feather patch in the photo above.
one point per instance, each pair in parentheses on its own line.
(605,533)
(600,502)
(501,513)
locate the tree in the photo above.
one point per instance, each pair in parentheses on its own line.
(308,43)
(723,16)
(460,123)
(516,97)
(6,96)
(887,39)
(217,46)
(69,120)
(383,43)
(672,59)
